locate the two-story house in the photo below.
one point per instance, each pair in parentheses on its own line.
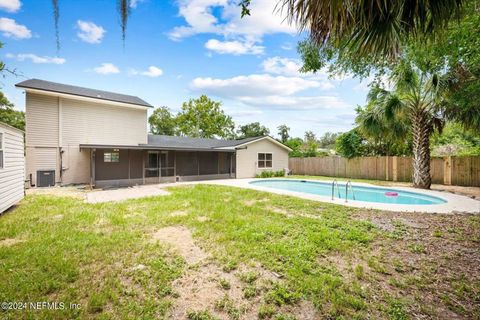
(77,135)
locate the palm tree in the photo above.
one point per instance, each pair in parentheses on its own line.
(369,27)
(418,96)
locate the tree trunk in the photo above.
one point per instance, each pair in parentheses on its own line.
(421,130)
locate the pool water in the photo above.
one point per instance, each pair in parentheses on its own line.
(362,193)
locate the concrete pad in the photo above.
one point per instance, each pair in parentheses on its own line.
(125,193)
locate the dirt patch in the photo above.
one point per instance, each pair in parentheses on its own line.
(8,242)
(432,260)
(252,202)
(291,214)
(179,213)
(181,239)
(78,192)
(203,219)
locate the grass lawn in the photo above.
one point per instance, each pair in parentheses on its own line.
(261,255)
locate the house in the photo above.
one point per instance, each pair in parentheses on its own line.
(76,135)
(12,166)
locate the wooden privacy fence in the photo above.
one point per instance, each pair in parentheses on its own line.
(460,171)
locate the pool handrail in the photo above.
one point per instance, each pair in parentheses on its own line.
(346,190)
(335,182)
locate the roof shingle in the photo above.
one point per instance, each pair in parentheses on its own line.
(81,91)
(176,142)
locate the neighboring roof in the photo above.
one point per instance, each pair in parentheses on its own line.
(3,124)
(175,142)
(82,92)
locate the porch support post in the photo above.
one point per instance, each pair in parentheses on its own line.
(92,168)
(175,165)
(143,166)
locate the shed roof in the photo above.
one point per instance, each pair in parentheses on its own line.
(43,85)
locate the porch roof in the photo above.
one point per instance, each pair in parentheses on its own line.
(150,147)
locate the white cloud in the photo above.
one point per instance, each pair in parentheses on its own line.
(106,68)
(10,5)
(233,47)
(253,85)
(296,102)
(237,31)
(285,66)
(90,32)
(135,3)
(152,72)
(11,29)
(36,59)
(264,19)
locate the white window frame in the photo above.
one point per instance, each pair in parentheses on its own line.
(2,143)
(258,161)
(111,152)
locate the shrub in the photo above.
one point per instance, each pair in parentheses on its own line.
(270,174)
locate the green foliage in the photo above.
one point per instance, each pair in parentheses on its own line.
(455,141)
(295,144)
(9,115)
(266,311)
(254,129)
(328,140)
(224,284)
(200,315)
(13,117)
(365,36)
(283,132)
(281,295)
(350,144)
(162,121)
(270,174)
(204,118)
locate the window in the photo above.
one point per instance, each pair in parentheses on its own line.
(111,156)
(1,150)
(265,160)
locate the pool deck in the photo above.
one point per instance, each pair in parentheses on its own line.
(455,203)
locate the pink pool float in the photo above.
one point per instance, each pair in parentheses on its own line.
(391,194)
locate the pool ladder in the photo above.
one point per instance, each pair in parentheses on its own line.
(349,183)
(335,183)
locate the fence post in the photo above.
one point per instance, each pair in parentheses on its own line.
(447,170)
(386,168)
(394,168)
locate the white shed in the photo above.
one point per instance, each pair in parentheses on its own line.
(12,166)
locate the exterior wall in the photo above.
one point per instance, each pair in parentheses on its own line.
(246,164)
(56,126)
(95,123)
(12,175)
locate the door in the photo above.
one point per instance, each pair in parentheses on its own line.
(152,169)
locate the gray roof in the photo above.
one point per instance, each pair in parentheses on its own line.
(80,91)
(193,143)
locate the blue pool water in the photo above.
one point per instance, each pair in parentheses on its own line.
(368,194)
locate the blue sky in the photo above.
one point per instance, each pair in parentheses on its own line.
(176,50)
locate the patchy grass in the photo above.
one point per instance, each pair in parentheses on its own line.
(102,257)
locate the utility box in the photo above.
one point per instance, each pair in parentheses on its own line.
(45,178)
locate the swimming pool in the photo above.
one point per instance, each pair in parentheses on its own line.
(362,193)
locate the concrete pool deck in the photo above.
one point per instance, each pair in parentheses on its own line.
(455,203)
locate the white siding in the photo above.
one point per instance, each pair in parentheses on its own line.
(95,123)
(13,172)
(76,165)
(53,123)
(247,158)
(41,116)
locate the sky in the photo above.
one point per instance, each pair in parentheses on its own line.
(175,51)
